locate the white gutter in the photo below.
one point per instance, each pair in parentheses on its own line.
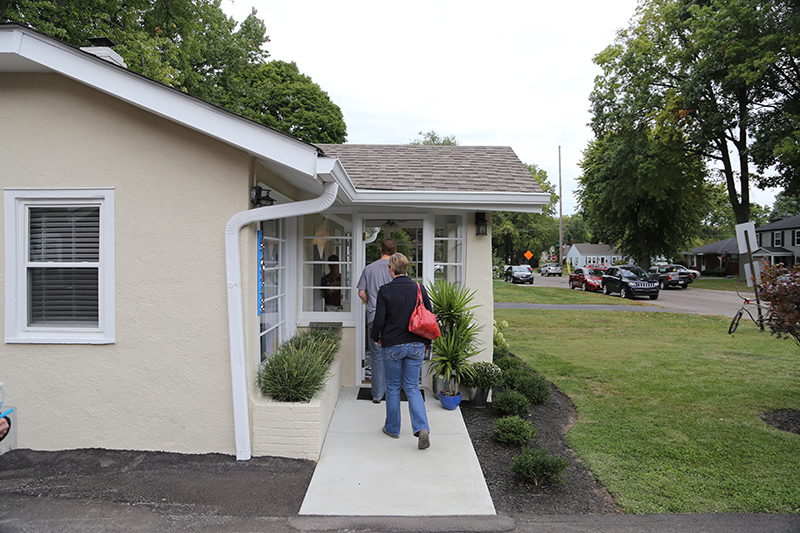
(233,267)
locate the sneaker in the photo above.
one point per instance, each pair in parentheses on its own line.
(424,439)
(386,432)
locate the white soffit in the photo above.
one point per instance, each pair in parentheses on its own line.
(23,50)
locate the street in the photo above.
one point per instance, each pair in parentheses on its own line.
(689,300)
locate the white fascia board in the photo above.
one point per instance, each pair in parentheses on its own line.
(284,152)
(331,169)
(456,200)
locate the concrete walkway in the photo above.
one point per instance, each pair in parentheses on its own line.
(362,472)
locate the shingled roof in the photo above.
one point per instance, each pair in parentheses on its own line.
(433,168)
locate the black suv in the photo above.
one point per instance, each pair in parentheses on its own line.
(629,281)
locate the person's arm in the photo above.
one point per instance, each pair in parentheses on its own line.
(425,300)
(362,295)
(380,318)
(5,425)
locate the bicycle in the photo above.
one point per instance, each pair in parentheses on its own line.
(748,306)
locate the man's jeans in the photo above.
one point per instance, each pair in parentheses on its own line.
(376,363)
(403,364)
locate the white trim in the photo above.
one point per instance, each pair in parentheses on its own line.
(16,328)
(24,50)
(233,271)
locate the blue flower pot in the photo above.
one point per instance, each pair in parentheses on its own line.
(450,402)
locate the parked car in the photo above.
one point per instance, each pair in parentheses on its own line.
(629,281)
(695,274)
(550,269)
(670,276)
(519,274)
(587,278)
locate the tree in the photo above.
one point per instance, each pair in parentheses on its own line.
(540,175)
(709,68)
(514,233)
(278,95)
(576,230)
(640,192)
(431,138)
(190,45)
(786,205)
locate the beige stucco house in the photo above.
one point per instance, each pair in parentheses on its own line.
(142,287)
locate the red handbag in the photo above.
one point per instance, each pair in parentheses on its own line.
(423,322)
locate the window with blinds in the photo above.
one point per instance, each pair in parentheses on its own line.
(59,256)
(63,266)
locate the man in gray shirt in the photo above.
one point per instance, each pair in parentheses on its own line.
(375,275)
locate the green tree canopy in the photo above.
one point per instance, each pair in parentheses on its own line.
(193,46)
(640,192)
(432,138)
(720,71)
(278,95)
(514,233)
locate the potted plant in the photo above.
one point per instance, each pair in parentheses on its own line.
(457,343)
(485,376)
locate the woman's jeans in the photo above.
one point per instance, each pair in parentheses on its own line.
(376,363)
(402,365)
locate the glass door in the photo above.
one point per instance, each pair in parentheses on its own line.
(407,233)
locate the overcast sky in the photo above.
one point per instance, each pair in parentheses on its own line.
(512,73)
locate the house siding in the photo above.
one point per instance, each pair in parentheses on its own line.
(167,376)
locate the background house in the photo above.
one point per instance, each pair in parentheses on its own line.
(582,254)
(779,241)
(721,256)
(142,196)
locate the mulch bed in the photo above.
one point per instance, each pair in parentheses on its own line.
(783,419)
(579,493)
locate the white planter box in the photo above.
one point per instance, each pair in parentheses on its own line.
(292,429)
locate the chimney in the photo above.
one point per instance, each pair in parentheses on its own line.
(102,47)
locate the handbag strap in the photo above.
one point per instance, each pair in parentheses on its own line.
(419,296)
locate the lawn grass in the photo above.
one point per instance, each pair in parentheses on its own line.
(509,292)
(720,284)
(669,406)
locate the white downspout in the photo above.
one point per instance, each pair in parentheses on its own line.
(233,267)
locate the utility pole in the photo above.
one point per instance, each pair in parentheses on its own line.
(560,214)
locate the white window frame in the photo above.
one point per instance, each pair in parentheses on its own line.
(306,317)
(777,238)
(16,204)
(796,234)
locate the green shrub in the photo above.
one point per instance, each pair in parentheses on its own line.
(529,383)
(513,430)
(500,343)
(537,466)
(298,368)
(508,362)
(485,375)
(511,402)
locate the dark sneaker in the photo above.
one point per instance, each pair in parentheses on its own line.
(393,436)
(424,439)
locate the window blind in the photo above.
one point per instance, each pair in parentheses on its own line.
(63,295)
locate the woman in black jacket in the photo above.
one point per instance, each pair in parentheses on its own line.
(403,351)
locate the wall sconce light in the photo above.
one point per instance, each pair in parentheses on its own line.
(480,223)
(260,197)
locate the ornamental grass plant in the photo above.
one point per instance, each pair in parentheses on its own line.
(299,367)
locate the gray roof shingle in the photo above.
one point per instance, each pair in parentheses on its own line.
(786,223)
(433,168)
